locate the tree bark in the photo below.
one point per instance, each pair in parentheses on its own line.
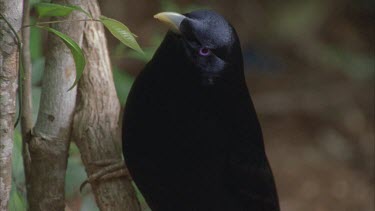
(12,11)
(96,121)
(50,137)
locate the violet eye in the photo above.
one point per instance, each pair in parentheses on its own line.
(204,51)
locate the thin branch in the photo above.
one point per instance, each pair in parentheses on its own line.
(26,89)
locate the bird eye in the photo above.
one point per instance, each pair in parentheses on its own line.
(204,51)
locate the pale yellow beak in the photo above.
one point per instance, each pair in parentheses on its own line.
(172,19)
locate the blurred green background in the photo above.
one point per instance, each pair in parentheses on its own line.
(310,69)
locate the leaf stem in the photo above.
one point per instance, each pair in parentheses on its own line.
(62,21)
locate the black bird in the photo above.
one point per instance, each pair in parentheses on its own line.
(191,137)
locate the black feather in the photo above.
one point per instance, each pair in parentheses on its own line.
(191,137)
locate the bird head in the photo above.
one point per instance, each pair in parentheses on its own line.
(209,41)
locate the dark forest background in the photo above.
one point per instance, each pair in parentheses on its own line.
(310,69)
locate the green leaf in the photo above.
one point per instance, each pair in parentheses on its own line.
(57,10)
(53,10)
(78,56)
(121,32)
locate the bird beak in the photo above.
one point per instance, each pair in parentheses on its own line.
(172,19)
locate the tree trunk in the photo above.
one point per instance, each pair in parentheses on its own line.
(12,11)
(96,121)
(50,137)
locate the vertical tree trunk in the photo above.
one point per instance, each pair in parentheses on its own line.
(96,121)
(12,11)
(50,137)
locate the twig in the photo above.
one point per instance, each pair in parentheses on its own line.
(112,171)
(26,89)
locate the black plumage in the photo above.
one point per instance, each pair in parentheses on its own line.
(191,137)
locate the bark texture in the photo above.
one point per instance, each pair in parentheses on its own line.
(49,142)
(12,11)
(96,121)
